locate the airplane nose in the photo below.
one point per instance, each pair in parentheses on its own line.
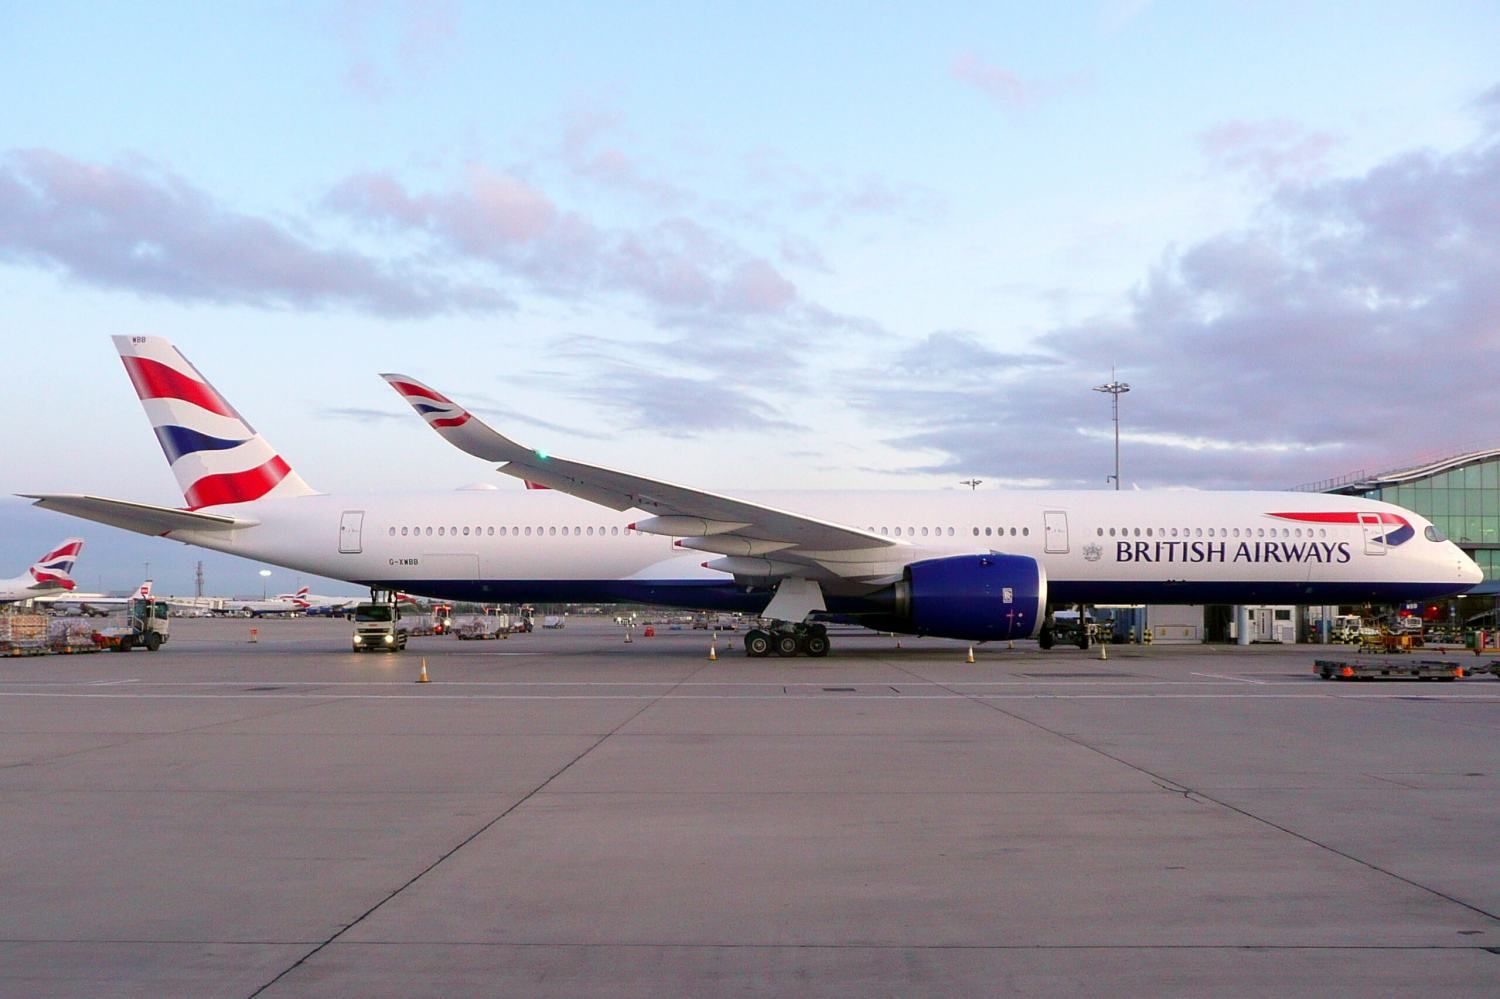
(1470,572)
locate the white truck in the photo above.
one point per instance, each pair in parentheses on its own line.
(146,624)
(378,627)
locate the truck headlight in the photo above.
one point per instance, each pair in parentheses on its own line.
(389,639)
(358,639)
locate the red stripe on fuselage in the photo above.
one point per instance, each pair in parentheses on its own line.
(237,487)
(154,380)
(1341,518)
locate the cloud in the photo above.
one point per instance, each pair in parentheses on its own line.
(390,44)
(1354,323)
(1003,86)
(682,269)
(143,229)
(959,354)
(1271,150)
(501,417)
(674,405)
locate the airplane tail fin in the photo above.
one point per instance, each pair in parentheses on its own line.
(55,568)
(144,592)
(218,458)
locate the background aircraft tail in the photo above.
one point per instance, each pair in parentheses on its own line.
(217,457)
(55,568)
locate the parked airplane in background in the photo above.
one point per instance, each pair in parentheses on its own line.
(49,574)
(969,565)
(312,603)
(271,607)
(93,604)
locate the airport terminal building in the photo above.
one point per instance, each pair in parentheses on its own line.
(1459,493)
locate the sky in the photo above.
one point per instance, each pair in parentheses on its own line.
(744,246)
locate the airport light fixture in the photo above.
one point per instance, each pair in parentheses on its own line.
(1115,388)
(265,574)
(973,484)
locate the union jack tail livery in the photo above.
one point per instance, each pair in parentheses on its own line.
(217,457)
(53,571)
(48,574)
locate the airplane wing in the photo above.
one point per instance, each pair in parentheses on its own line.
(738,529)
(142,518)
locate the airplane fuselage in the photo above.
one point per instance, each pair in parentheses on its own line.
(1096,546)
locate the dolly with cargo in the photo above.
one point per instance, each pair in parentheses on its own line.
(1407,669)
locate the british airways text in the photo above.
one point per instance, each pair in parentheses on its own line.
(1242,551)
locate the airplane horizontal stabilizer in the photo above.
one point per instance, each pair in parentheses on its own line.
(142,518)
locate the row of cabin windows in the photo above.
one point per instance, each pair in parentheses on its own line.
(910,532)
(938,532)
(442,532)
(1221,532)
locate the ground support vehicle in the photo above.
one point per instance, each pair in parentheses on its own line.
(146,624)
(482,627)
(1361,669)
(377,625)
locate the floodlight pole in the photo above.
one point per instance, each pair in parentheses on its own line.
(1115,388)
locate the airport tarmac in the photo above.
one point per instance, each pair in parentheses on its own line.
(563,814)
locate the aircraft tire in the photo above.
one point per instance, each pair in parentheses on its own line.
(787,645)
(757,644)
(816,645)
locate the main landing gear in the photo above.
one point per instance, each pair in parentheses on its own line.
(787,640)
(1047,637)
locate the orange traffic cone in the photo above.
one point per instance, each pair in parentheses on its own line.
(971,655)
(422,676)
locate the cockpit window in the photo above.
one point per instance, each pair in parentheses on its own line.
(1433,534)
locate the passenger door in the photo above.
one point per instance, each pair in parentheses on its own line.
(1055,525)
(350,525)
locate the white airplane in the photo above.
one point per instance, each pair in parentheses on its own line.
(269,607)
(49,574)
(304,599)
(94,604)
(963,564)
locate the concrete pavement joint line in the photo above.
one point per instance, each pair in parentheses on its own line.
(1236,679)
(466,841)
(134,737)
(1170,785)
(1474,697)
(656,945)
(1030,682)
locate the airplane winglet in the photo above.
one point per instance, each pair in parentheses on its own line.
(455,424)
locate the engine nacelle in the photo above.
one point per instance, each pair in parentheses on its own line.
(981,598)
